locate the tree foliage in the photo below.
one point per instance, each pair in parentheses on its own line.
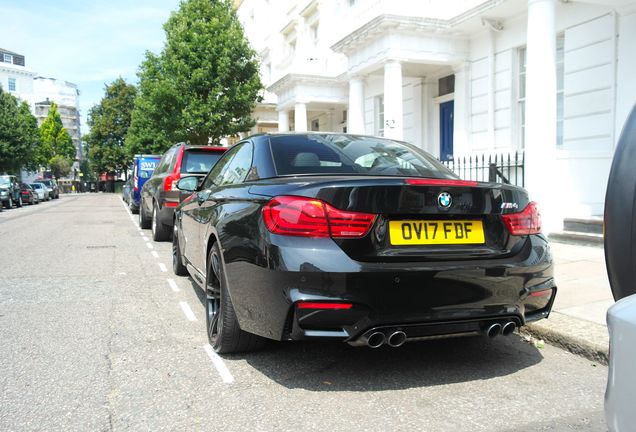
(19,138)
(54,139)
(202,87)
(109,122)
(60,166)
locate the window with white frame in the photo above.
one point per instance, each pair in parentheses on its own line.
(12,84)
(379,115)
(313,34)
(560,76)
(7,58)
(521,94)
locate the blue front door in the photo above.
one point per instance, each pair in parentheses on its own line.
(446,130)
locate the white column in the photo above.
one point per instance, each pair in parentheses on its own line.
(540,111)
(460,114)
(283,121)
(300,117)
(393,100)
(355,117)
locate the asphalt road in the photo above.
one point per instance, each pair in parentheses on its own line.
(96,336)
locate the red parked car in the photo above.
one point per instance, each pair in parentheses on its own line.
(160,196)
(28,194)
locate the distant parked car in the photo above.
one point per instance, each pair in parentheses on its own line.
(41,190)
(28,194)
(143,168)
(10,191)
(620,257)
(125,191)
(54,191)
(160,196)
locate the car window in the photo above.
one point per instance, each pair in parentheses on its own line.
(220,167)
(355,155)
(164,164)
(238,167)
(199,161)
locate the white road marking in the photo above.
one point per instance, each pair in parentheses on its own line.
(150,246)
(142,233)
(163,268)
(155,254)
(146,239)
(173,285)
(219,364)
(185,307)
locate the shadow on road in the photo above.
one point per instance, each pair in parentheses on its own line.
(336,366)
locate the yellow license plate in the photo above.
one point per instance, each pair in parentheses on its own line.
(426,232)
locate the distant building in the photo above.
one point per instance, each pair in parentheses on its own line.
(15,78)
(39,92)
(552,79)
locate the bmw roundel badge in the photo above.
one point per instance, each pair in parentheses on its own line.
(444,200)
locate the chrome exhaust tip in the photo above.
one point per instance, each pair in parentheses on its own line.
(493,330)
(508,328)
(397,339)
(376,339)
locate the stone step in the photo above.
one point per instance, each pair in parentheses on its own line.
(593,225)
(576,237)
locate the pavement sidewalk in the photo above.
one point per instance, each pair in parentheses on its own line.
(577,322)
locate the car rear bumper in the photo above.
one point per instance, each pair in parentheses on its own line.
(432,299)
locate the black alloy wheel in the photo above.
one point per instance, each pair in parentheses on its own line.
(177,259)
(19,202)
(224,333)
(144,222)
(160,232)
(9,204)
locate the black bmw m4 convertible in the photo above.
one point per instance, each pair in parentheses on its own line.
(361,239)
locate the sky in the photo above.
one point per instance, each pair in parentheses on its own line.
(89,43)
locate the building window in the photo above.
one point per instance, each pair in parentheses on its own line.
(521,98)
(379,115)
(315,125)
(446,85)
(7,58)
(313,34)
(351,2)
(12,84)
(560,75)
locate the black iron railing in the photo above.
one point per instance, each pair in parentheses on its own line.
(498,168)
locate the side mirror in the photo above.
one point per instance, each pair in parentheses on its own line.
(188,184)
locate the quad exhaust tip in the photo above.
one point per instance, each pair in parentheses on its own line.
(508,328)
(376,339)
(493,330)
(397,339)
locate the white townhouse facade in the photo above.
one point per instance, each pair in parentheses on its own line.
(554,79)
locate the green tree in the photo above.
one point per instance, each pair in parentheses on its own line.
(60,166)
(18,134)
(109,122)
(54,139)
(205,81)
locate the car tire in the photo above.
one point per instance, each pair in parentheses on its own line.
(177,259)
(8,204)
(18,203)
(132,208)
(160,232)
(223,329)
(144,222)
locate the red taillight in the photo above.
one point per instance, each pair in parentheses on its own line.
(439,182)
(170,182)
(136,187)
(525,222)
(544,293)
(319,305)
(307,217)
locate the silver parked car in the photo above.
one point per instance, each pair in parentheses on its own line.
(41,190)
(620,257)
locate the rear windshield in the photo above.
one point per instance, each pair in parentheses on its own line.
(199,161)
(356,155)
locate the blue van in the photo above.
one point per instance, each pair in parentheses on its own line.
(143,167)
